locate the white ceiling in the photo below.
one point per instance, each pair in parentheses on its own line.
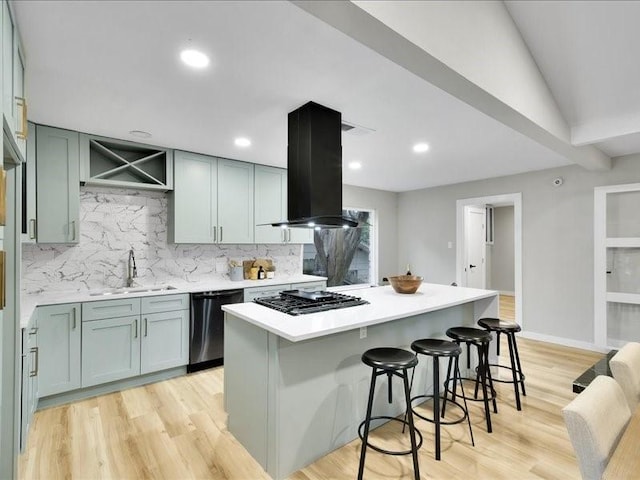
(588,54)
(111,67)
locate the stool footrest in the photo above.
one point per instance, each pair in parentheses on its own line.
(520,376)
(442,422)
(390,452)
(492,392)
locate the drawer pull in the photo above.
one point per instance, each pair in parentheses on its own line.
(32,228)
(22,133)
(34,373)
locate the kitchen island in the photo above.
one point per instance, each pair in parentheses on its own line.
(295,387)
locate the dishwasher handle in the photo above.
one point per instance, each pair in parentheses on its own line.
(223,294)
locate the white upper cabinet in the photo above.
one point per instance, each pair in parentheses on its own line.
(235,201)
(270,203)
(120,163)
(14,104)
(271,206)
(193,210)
(212,201)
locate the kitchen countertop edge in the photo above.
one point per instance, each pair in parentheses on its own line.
(384,305)
(29,302)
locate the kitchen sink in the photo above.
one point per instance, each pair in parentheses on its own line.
(125,290)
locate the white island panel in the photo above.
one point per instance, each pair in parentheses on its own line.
(295,386)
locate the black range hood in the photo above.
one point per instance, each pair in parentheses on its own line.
(314,163)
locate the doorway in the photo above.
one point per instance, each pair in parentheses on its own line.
(475,268)
(474,245)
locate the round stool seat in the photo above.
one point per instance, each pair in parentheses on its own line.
(497,325)
(436,348)
(469,334)
(389,358)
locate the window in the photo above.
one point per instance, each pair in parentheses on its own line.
(344,256)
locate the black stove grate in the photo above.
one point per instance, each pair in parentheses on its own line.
(291,303)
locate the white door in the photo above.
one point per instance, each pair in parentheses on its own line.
(475,247)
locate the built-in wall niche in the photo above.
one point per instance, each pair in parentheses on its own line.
(622,325)
(617,265)
(119,163)
(623,219)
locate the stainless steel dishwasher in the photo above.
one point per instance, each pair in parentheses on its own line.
(206,332)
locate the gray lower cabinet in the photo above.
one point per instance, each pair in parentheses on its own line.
(58,185)
(164,341)
(309,286)
(59,328)
(250,294)
(29,390)
(126,337)
(110,349)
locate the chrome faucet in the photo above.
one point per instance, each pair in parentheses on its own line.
(132,271)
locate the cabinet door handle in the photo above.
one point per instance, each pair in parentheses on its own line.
(22,133)
(73,230)
(33,331)
(289,235)
(284,235)
(146,326)
(74,319)
(32,228)
(215,234)
(135,328)
(34,373)
(220,234)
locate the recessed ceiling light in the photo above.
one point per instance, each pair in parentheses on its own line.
(140,133)
(194,58)
(355,165)
(242,142)
(420,147)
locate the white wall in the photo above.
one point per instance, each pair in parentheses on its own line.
(480,41)
(502,277)
(557,240)
(113,220)
(385,206)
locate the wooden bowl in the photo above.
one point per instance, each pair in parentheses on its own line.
(405,283)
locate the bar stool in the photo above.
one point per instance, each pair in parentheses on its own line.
(480,339)
(437,349)
(389,361)
(509,329)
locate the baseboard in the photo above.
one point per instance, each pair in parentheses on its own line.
(566,342)
(83,393)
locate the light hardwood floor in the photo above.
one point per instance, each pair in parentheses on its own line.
(176,430)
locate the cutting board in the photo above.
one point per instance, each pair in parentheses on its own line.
(265,263)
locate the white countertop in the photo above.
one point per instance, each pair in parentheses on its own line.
(29,303)
(384,305)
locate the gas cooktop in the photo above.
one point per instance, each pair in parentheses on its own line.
(298,302)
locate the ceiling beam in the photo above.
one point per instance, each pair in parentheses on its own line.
(368,30)
(605,129)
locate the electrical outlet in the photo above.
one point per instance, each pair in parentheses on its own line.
(363,332)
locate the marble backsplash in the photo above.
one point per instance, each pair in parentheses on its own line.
(112,221)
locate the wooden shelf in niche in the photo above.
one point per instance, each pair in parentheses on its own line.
(119,163)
